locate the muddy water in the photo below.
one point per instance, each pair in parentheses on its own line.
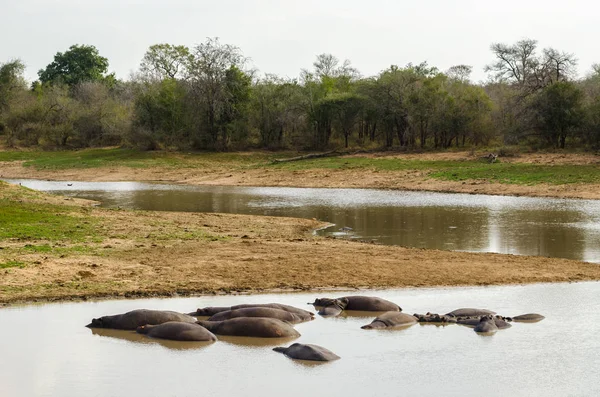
(46,350)
(514,225)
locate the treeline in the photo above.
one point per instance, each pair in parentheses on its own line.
(205,98)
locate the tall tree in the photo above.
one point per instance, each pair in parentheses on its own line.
(11,80)
(559,110)
(163,61)
(80,63)
(213,73)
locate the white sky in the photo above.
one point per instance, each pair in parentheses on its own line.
(283,37)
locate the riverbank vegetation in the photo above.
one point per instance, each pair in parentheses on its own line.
(207,98)
(60,249)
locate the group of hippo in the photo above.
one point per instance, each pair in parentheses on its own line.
(275,320)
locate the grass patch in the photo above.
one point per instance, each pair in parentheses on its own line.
(523,174)
(510,173)
(56,250)
(117,157)
(11,264)
(29,221)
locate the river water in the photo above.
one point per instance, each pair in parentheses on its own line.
(477,223)
(45,350)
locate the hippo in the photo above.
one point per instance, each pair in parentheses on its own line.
(301,351)
(258,312)
(529,318)
(176,330)
(501,322)
(358,303)
(135,318)
(468,312)
(486,325)
(211,311)
(435,318)
(333,307)
(258,327)
(391,320)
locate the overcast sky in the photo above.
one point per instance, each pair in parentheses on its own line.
(283,37)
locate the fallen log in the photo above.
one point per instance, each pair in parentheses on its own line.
(308,156)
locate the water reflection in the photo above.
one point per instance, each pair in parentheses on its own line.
(132,336)
(511,225)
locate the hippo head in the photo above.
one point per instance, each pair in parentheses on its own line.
(97,323)
(322,302)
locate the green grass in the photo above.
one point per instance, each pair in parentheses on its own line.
(11,264)
(29,221)
(510,173)
(57,250)
(116,157)
(523,174)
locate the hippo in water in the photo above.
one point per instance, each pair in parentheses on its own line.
(486,325)
(359,303)
(468,312)
(529,318)
(211,311)
(301,351)
(435,318)
(391,320)
(135,318)
(258,327)
(501,322)
(176,330)
(259,312)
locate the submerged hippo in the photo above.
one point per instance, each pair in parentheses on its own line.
(358,303)
(211,311)
(176,330)
(529,318)
(486,325)
(391,320)
(501,322)
(258,327)
(435,318)
(268,312)
(301,351)
(135,318)
(468,312)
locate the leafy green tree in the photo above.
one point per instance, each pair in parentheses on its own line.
(163,61)
(80,63)
(277,109)
(11,81)
(559,109)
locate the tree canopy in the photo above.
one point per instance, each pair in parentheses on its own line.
(80,63)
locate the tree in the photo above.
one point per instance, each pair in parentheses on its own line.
(163,61)
(214,78)
(81,63)
(559,110)
(276,109)
(11,80)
